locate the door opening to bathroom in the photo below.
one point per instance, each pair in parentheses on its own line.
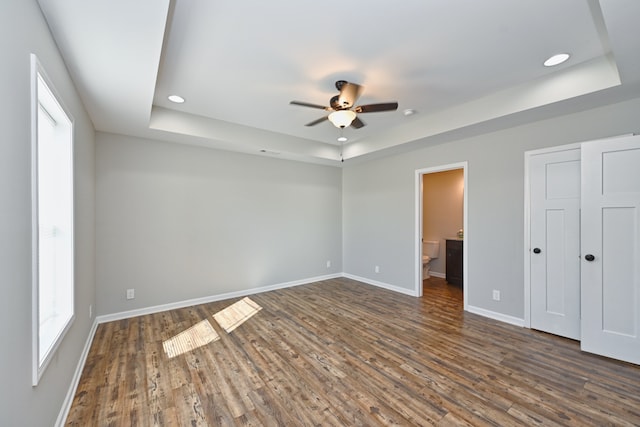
(441,231)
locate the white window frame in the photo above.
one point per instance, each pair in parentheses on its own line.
(39,366)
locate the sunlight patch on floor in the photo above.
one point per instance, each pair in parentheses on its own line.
(236,314)
(202,333)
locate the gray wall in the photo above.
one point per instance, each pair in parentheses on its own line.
(24,31)
(379,199)
(177,222)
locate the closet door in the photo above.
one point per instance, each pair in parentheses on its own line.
(610,248)
(554,255)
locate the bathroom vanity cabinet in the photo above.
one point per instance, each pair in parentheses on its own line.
(454,261)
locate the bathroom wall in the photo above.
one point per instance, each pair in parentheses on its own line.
(442,211)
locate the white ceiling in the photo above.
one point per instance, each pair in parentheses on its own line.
(462,65)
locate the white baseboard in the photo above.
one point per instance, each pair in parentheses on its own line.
(436,274)
(219,297)
(68,400)
(496,316)
(405,291)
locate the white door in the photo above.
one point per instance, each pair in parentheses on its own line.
(610,250)
(555,242)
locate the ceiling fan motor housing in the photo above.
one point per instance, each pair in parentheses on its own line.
(335,103)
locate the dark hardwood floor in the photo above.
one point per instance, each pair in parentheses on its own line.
(343,353)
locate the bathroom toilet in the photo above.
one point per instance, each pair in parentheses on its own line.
(430,250)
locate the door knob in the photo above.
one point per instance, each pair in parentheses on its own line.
(536,250)
(589,257)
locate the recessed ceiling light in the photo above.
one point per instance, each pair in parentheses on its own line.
(556,59)
(176,98)
(342,139)
(409,112)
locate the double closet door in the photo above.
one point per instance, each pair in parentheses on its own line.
(584,255)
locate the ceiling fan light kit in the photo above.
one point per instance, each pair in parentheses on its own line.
(342,118)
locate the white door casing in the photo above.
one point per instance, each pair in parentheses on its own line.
(554,179)
(610,280)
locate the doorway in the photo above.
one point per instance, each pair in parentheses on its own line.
(419,224)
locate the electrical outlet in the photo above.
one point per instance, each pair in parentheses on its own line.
(329,264)
(377,269)
(496,295)
(131,293)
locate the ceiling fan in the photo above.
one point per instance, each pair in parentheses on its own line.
(343,112)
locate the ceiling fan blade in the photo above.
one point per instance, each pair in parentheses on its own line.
(357,123)
(308,104)
(349,94)
(374,108)
(315,122)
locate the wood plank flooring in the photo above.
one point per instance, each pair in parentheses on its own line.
(343,353)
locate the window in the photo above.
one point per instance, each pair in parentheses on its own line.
(52,221)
